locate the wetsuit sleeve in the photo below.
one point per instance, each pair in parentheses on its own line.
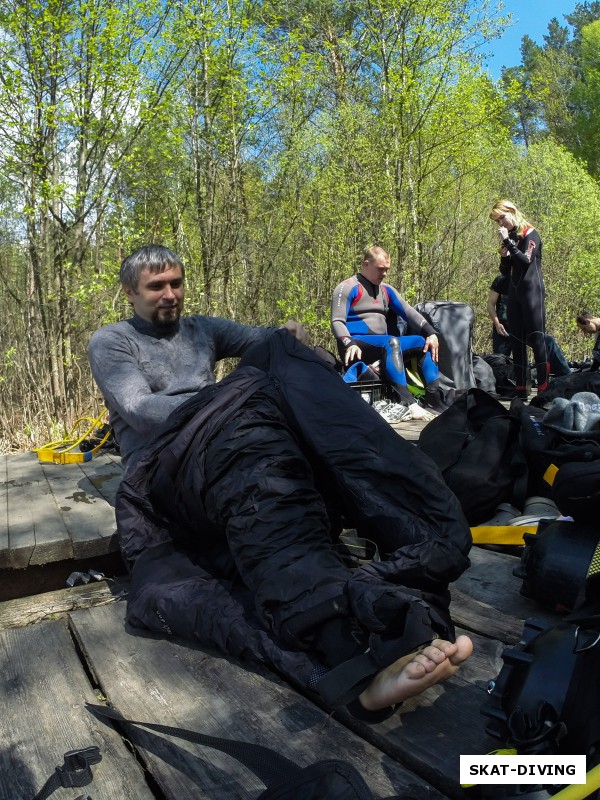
(500,285)
(417,324)
(115,368)
(525,250)
(339,313)
(233,339)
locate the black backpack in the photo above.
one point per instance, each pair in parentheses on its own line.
(547,449)
(546,698)
(475,443)
(504,374)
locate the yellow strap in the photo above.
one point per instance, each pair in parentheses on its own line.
(578,791)
(61,450)
(550,474)
(501,534)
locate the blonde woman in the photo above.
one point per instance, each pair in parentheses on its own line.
(521,260)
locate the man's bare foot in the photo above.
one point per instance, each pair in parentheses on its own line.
(412,674)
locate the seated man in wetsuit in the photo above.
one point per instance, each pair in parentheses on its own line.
(359,321)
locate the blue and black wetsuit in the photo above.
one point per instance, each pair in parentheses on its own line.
(359,315)
(526,309)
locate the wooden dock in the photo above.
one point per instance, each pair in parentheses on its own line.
(64,648)
(53,513)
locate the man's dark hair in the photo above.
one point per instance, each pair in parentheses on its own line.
(584,317)
(153,257)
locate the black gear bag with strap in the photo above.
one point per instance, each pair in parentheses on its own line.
(475,443)
(546,699)
(325,780)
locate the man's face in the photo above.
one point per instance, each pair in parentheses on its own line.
(159,296)
(376,268)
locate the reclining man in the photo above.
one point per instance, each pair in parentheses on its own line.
(359,321)
(229,510)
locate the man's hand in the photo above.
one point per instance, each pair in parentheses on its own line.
(432,344)
(500,328)
(353,353)
(297,330)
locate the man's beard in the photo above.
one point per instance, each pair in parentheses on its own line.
(166,317)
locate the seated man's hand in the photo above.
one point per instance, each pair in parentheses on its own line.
(432,344)
(297,330)
(353,353)
(500,329)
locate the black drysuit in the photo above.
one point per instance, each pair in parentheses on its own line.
(526,309)
(228,520)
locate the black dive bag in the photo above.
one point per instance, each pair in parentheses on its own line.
(546,699)
(475,445)
(560,565)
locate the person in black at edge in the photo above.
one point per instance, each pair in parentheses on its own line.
(501,344)
(590,325)
(496,308)
(521,259)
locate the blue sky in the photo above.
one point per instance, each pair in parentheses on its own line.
(530,17)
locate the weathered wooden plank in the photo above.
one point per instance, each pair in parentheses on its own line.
(36,531)
(89,519)
(409,429)
(105,472)
(43,688)
(430,732)
(490,579)
(479,617)
(28,610)
(20,523)
(149,678)
(4,543)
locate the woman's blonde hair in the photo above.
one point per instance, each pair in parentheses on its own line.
(506,207)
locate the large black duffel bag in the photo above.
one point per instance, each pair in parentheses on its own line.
(475,443)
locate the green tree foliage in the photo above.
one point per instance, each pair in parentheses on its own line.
(554,91)
(79,82)
(269,143)
(586,95)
